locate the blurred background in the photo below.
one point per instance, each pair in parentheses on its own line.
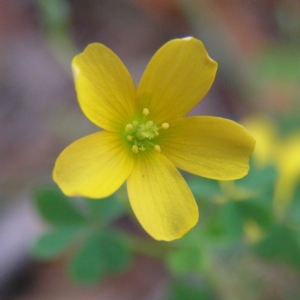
(247,244)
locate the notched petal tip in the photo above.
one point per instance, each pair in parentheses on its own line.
(188,38)
(76,60)
(181,73)
(75,71)
(197,42)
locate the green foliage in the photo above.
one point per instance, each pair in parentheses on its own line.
(191,254)
(55,15)
(282,244)
(53,243)
(279,64)
(81,227)
(186,260)
(293,213)
(102,253)
(258,179)
(203,189)
(105,210)
(227,222)
(181,290)
(231,220)
(289,122)
(84,226)
(56,208)
(251,210)
(249,199)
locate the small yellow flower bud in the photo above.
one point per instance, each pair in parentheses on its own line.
(128,127)
(165,125)
(135,149)
(157,148)
(145,111)
(129,138)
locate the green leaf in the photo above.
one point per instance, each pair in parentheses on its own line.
(56,208)
(102,253)
(227,224)
(186,261)
(55,14)
(181,290)
(202,188)
(289,122)
(231,220)
(252,210)
(105,210)
(258,179)
(52,244)
(279,64)
(282,245)
(293,213)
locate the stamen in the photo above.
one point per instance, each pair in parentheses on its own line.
(128,127)
(157,148)
(135,149)
(140,133)
(165,125)
(145,111)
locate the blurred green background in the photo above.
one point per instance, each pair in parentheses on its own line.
(247,242)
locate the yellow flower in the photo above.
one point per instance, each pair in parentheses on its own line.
(146,135)
(288,164)
(266,135)
(278,151)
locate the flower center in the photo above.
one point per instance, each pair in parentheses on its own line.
(142,134)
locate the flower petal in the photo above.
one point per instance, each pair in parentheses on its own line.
(160,198)
(288,164)
(94,166)
(265,132)
(178,76)
(105,89)
(208,146)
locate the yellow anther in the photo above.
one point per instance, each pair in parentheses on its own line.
(157,148)
(165,125)
(135,149)
(145,111)
(129,138)
(128,127)
(142,149)
(135,123)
